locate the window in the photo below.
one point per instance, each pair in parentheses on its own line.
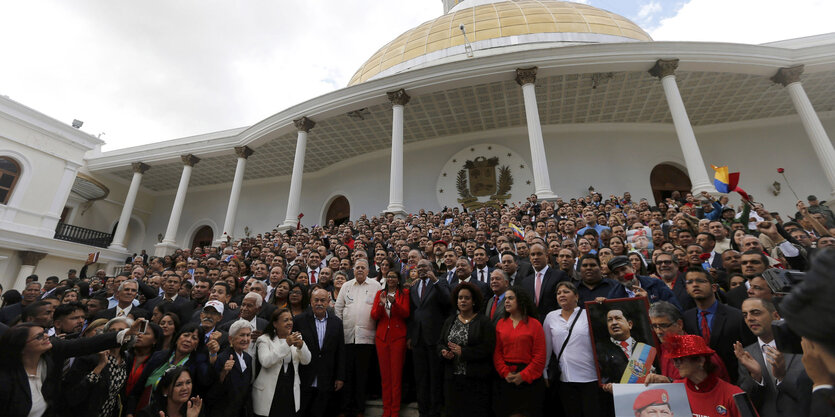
(9,173)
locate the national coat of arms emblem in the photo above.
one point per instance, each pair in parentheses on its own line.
(479,178)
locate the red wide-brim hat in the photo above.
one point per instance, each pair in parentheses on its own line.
(680,346)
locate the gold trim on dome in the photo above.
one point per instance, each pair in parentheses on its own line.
(497,20)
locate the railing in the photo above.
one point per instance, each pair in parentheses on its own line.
(81,235)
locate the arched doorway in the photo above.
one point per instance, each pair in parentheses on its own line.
(339,211)
(666,178)
(203,237)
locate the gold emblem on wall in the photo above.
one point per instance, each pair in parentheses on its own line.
(478,178)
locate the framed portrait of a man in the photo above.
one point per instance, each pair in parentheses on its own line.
(624,343)
(654,400)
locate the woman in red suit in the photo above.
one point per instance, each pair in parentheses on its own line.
(391,312)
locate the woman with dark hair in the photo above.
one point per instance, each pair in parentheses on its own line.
(519,357)
(137,357)
(282,293)
(617,245)
(386,265)
(567,337)
(170,325)
(297,299)
(187,349)
(736,240)
(31,364)
(293,272)
(467,342)
(232,281)
(69,296)
(11,297)
(277,388)
(94,384)
(391,311)
(639,264)
(173,396)
(339,279)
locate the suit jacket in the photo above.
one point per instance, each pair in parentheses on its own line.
(611,361)
(180,306)
(736,296)
(15,395)
(327,364)
(548,291)
(486,292)
(391,326)
(110,313)
(680,291)
(272,354)
(790,398)
(728,327)
(823,403)
(233,396)
(655,288)
(9,313)
(477,353)
(474,276)
(266,310)
(499,310)
(523,269)
(428,312)
(260,324)
(82,397)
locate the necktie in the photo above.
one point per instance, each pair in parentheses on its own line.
(312,277)
(493,308)
(121,313)
(481,275)
(767,363)
(705,328)
(422,288)
(537,286)
(625,346)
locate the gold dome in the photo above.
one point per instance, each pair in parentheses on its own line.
(498,20)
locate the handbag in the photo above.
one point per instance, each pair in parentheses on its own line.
(554,371)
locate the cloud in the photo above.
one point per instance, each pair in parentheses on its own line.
(149,71)
(746,21)
(647,13)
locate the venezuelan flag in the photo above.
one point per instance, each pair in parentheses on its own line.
(726,182)
(516,230)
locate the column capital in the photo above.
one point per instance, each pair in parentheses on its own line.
(399,97)
(304,124)
(243,151)
(140,167)
(664,67)
(189,159)
(526,75)
(30,258)
(788,75)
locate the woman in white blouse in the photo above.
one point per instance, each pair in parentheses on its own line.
(577,386)
(276,391)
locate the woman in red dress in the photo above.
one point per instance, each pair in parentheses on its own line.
(391,311)
(708,395)
(519,357)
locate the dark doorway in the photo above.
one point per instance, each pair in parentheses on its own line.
(203,237)
(339,211)
(666,178)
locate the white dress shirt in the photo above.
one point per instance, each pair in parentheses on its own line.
(486,271)
(353,306)
(767,370)
(577,361)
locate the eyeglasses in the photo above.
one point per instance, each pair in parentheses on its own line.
(39,337)
(663,262)
(661,326)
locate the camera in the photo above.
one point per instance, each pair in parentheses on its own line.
(785,338)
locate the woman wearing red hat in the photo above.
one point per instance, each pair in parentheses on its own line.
(708,395)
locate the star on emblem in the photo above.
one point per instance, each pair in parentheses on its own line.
(528,182)
(441,190)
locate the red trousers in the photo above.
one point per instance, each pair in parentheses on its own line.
(390,354)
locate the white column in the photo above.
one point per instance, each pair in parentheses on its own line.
(59,200)
(29,260)
(118,242)
(169,243)
(243,153)
(665,70)
(293,199)
(526,77)
(398,100)
(790,78)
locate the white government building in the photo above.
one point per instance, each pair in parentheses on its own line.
(540,96)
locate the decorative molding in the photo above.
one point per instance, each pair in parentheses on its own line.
(140,167)
(189,159)
(30,258)
(304,124)
(399,97)
(788,75)
(526,75)
(243,151)
(664,68)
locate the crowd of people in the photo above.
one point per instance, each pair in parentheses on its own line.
(468,313)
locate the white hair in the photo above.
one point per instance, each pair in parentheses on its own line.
(238,326)
(127,320)
(255,297)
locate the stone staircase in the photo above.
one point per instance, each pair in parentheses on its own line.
(374,408)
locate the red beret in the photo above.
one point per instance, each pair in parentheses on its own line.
(439,242)
(651,397)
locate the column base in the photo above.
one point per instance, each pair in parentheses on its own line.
(165,248)
(698,188)
(546,196)
(289,224)
(118,248)
(398,213)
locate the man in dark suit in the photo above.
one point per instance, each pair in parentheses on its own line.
(666,266)
(250,306)
(516,268)
(429,301)
(324,375)
(614,352)
(481,272)
(753,264)
(499,283)
(542,284)
(776,381)
(463,273)
(260,288)
(125,295)
(10,313)
(170,294)
(720,324)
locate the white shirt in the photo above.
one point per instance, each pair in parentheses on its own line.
(124,311)
(630,346)
(577,361)
(35,385)
(113,302)
(353,306)
(486,272)
(241,361)
(767,370)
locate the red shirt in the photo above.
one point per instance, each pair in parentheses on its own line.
(669,369)
(523,344)
(713,397)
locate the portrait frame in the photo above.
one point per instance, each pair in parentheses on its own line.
(611,362)
(674,394)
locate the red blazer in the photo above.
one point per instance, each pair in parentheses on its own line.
(391,327)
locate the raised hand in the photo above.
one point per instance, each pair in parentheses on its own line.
(195,404)
(748,362)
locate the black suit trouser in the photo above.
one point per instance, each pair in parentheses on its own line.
(314,402)
(429,379)
(358,360)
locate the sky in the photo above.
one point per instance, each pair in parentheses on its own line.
(142,72)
